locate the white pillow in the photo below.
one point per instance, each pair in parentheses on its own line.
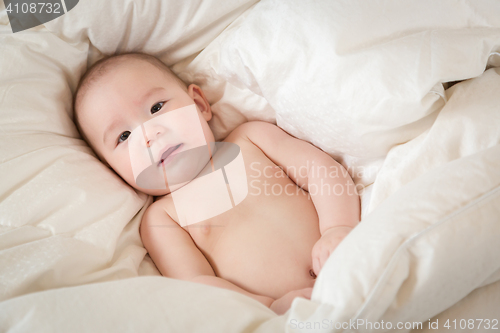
(352,83)
(65,219)
(170,30)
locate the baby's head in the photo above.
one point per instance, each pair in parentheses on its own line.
(120,94)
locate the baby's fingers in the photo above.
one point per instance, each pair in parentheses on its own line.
(316,257)
(320,254)
(316,265)
(306,293)
(325,253)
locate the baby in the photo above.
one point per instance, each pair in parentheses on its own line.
(269,246)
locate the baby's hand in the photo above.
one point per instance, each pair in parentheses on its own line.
(326,244)
(282,304)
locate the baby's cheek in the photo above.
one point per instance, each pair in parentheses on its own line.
(190,126)
(123,167)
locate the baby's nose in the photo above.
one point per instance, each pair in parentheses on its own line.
(151,139)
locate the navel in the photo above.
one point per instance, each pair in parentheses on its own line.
(311,272)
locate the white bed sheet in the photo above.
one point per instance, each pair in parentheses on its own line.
(69,227)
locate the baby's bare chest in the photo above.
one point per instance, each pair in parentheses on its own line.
(274,210)
(270,233)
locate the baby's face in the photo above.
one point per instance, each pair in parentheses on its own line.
(135,104)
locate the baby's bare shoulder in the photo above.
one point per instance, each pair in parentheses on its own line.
(166,205)
(251,129)
(154,211)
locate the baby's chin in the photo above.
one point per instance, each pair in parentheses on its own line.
(153,192)
(184,168)
(158,192)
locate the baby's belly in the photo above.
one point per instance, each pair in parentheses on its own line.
(264,244)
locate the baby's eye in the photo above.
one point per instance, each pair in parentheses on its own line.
(124,136)
(157,107)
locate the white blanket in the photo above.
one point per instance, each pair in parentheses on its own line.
(362,81)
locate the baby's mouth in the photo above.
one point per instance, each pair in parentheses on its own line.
(167,153)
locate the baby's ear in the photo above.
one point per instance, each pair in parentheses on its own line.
(198,96)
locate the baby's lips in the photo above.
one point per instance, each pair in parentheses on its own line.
(169,151)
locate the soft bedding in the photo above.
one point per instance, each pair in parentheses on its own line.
(362,81)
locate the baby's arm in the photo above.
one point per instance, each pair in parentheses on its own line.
(332,191)
(176,256)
